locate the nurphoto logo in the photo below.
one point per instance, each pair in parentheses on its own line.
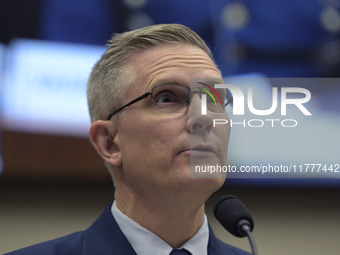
(281,98)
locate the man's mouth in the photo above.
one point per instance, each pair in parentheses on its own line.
(201,150)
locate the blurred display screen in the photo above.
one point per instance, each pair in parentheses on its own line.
(44,89)
(302,142)
(2,57)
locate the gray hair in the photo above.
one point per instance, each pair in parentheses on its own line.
(112,75)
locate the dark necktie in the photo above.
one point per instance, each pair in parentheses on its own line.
(180,252)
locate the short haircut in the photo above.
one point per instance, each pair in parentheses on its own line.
(112,75)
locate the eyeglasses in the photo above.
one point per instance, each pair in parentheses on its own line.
(175,98)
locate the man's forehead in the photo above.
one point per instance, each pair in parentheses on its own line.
(171,56)
(177,62)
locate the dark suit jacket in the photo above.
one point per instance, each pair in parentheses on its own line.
(104,237)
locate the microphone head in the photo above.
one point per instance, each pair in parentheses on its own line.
(229,211)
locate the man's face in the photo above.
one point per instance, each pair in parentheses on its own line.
(155,146)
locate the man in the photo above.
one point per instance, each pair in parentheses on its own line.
(148,127)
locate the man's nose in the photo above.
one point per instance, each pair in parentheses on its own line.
(198,122)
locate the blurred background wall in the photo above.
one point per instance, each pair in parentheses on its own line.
(52,182)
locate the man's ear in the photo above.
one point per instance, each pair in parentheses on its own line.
(102,136)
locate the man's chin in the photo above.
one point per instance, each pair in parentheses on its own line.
(204,186)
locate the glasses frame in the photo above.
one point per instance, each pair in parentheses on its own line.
(130,103)
(230,100)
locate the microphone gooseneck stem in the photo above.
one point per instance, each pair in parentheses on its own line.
(246,229)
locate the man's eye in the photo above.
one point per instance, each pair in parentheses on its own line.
(165,98)
(212,100)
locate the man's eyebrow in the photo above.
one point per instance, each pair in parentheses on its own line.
(170,81)
(215,81)
(184,82)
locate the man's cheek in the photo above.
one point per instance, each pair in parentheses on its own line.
(222,132)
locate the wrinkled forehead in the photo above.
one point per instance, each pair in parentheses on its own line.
(178,63)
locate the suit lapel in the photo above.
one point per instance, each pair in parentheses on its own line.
(104,237)
(217,247)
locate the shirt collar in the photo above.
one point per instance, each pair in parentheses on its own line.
(142,239)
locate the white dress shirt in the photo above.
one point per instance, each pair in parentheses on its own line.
(144,242)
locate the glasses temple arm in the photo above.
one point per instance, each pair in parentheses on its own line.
(130,103)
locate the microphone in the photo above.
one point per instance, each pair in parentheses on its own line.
(235,217)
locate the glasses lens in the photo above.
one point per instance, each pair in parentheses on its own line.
(170,98)
(229,102)
(219,101)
